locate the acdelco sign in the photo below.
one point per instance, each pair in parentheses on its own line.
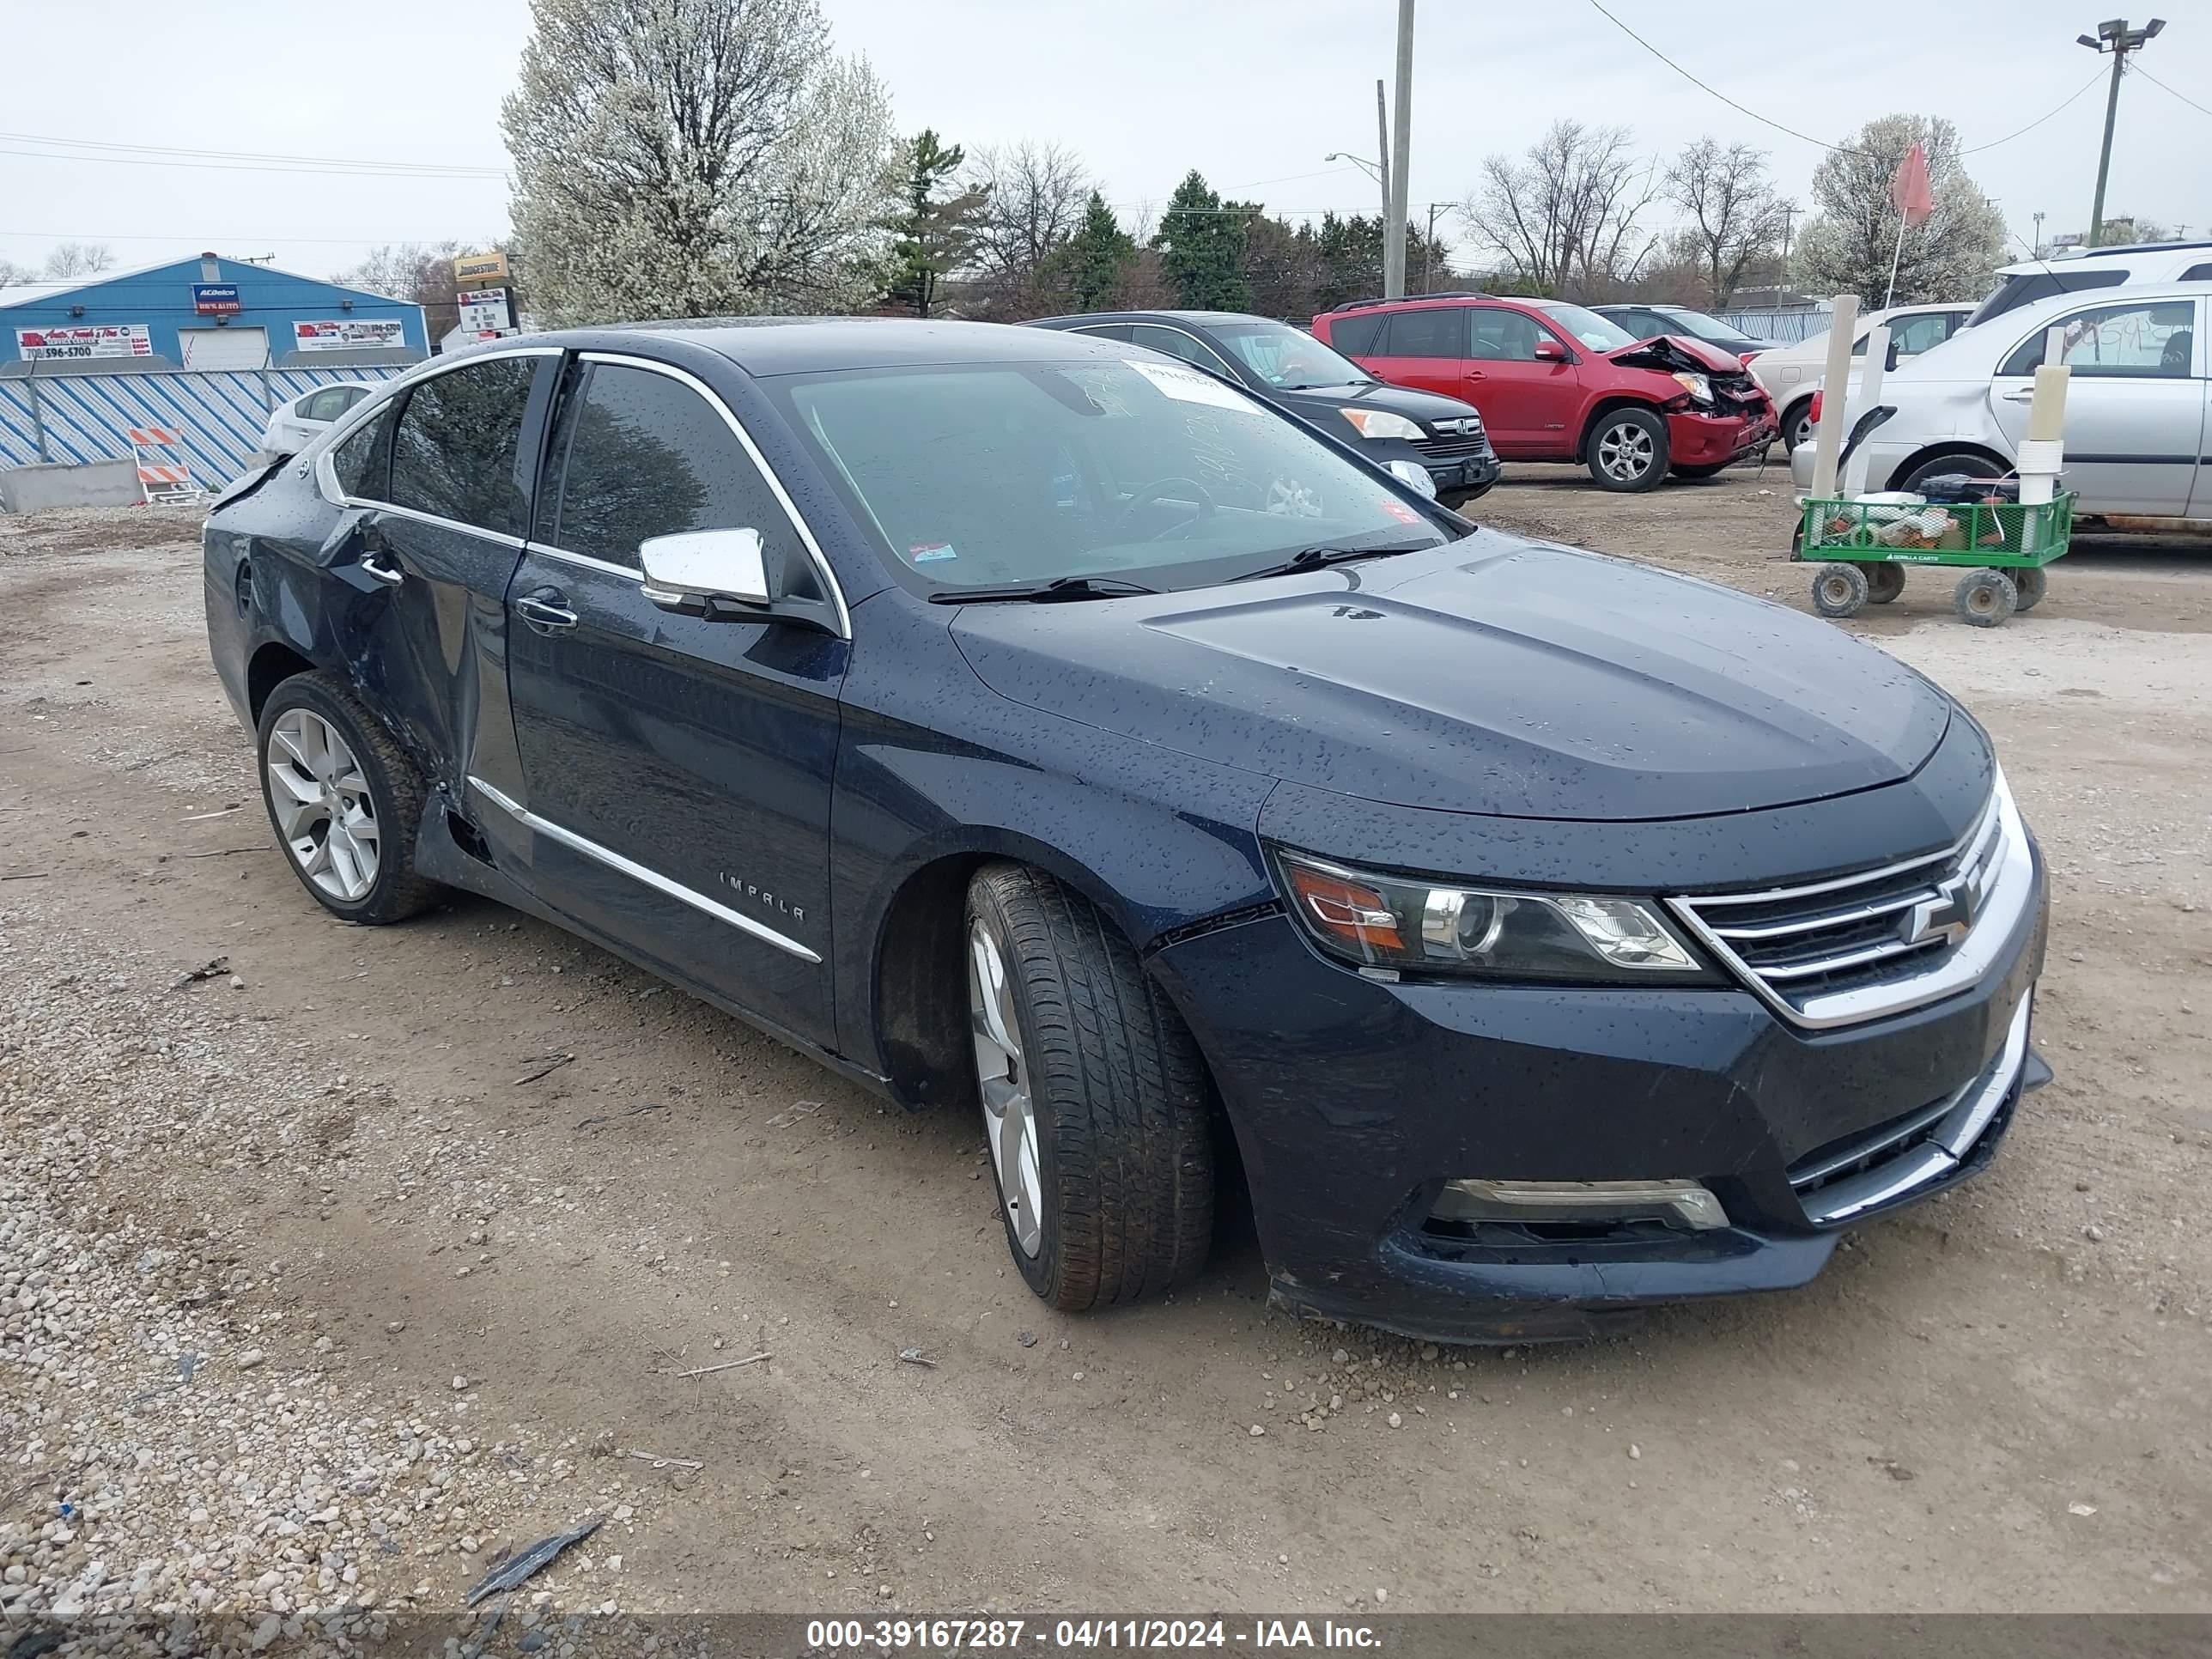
(480,268)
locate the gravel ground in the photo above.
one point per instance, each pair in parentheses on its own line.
(319,1293)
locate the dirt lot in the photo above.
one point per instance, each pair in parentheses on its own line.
(305,1296)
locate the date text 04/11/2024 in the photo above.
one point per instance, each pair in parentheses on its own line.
(894,1635)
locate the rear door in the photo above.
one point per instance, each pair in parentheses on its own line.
(1527,404)
(676,771)
(1425,347)
(443,479)
(2134,404)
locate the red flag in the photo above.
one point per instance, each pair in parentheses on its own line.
(1909,189)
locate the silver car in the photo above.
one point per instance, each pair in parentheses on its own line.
(2136,444)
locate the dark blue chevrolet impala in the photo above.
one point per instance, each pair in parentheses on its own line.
(1022,722)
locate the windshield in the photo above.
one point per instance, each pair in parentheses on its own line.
(1592,330)
(1286,357)
(983,475)
(1700,327)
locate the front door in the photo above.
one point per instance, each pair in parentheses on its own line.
(2135,403)
(676,770)
(1527,402)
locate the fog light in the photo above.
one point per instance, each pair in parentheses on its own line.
(1678,1203)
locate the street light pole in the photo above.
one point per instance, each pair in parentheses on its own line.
(2117,39)
(1400,162)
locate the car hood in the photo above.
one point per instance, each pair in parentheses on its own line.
(1675,353)
(1428,407)
(1491,676)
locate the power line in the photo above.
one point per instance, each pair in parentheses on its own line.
(369,171)
(2039,120)
(246,154)
(2138,68)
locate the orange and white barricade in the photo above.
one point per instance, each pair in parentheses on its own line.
(164,477)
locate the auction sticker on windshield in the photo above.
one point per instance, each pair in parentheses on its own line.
(1188,386)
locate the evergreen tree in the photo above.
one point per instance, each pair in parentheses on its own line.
(935,232)
(1201,243)
(1093,261)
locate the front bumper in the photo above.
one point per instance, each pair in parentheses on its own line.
(1695,438)
(1354,1100)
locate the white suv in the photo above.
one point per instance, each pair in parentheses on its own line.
(1790,374)
(2130,266)
(2136,409)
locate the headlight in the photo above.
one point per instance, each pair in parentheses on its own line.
(1379,423)
(1699,388)
(1391,921)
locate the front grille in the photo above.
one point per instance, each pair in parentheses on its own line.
(1451,449)
(1882,941)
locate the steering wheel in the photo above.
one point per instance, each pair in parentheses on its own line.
(1154,491)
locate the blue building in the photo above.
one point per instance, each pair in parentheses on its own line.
(205,346)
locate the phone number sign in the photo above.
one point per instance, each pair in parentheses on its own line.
(95,340)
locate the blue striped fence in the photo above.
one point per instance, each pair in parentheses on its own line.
(88,418)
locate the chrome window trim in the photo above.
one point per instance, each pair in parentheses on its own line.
(605,566)
(2006,881)
(420,517)
(684,377)
(369,409)
(1225,371)
(639,873)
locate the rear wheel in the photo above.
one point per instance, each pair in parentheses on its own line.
(1094,1097)
(1627,450)
(344,800)
(1839,590)
(1968,466)
(1797,424)
(1985,598)
(1884,582)
(2030,583)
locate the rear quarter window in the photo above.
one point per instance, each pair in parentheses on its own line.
(1354,333)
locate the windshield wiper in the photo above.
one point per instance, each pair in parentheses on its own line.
(1058,588)
(1314,558)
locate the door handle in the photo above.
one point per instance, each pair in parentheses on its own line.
(2026,395)
(544,612)
(373,567)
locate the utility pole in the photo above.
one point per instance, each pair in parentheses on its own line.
(2038,253)
(1401,161)
(1382,149)
(2117,39)
(1429,251)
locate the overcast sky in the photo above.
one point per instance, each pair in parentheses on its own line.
(1253,93)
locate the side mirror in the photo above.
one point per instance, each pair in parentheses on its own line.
(1549,351)
(689,572)
(1891,361)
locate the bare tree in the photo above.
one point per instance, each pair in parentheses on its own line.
(1565,216)
(11,273)
(1734,214)
(419,272)
(687,158)
(1033,203)
(70,259)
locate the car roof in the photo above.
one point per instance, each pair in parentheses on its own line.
(2003,332)
(1200,319)
(767,346)
(2093,256)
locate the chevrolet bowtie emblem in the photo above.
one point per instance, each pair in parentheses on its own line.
(1947,917)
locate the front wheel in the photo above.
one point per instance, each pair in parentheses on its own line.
(2030,583)
(1094,1097)
(1839,590)
(344,800)
(1985,598)
(1627,450)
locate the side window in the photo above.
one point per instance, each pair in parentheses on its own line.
(1354,333)
(454,451)
(1105,331)
(1913,335)
(1177,344)
(1431,332)
(363,461)
(2196,274)
(325,405)
(648,456)
(2149,340)
(1505,337)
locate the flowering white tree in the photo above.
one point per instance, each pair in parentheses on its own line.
(1849,246)
(695,158)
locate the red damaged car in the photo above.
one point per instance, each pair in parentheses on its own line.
(1556,382)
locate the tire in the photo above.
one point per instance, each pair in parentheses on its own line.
(389,800)
(1635,440)
(1884,582)
(1796,425)
(2030,582)
(1457,499)
(1117,1167)
(1985,598)
(1973,466)
(1839,590)
(1704,471)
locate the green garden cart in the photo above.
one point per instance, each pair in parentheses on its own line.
(1863,546)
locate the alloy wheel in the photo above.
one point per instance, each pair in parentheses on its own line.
(322,807)
(1009,1108)
(1625,451)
